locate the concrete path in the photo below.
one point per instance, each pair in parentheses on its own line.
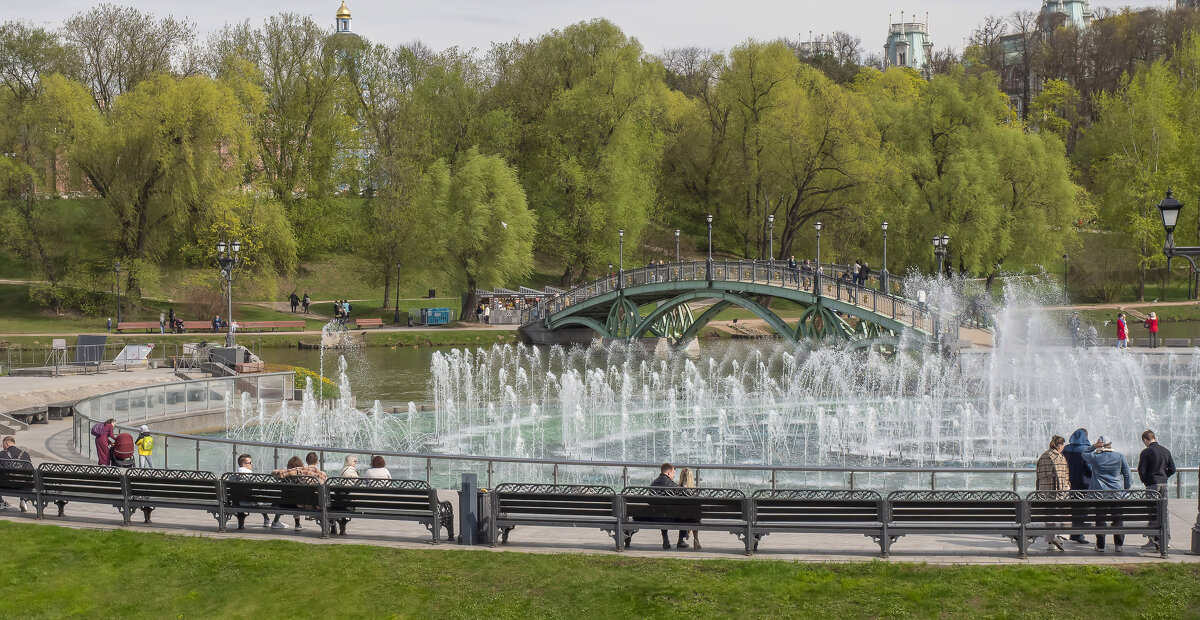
(944,550)
(21,392)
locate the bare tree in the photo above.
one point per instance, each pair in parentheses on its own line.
(943,61)
(847,48)
(1027,36)
(986,41)
(119,47)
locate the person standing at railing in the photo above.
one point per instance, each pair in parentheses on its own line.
(145,448)
(1155,468)
(1110,472)
(864,272)
(793,270)
(1078,471)
(105,437)
(1053,475)
(162,323)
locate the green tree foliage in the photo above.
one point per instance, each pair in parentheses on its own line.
(157,157)
(486,228)
(588,149)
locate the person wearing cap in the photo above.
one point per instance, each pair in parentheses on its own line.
(145,448)
(1152,325)
(1110,472)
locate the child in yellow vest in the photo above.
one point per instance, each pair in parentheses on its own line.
(145,446)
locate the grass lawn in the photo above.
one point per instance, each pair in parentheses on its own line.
(80,573)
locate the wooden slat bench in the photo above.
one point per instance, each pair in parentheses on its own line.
(819,511)
(1066,513)
(677,508)
(361,323)
(398,500)
(554,505)
(250,326)
(301,496)
(171,488)
(954,512)
(146,325)
(93,484)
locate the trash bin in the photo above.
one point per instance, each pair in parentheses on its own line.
(432,293)
(483,516)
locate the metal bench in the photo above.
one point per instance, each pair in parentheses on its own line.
(94,484)
(1065,513)
(678,508)
(302,496)
(1176,342)
(554,505)
(249,326)
(954,512)
(19,479)
(397,500)
(148,489)
(819,511)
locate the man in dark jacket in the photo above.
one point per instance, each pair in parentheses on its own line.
(1155,466)
(666,478)
(13,453)
(1080,472)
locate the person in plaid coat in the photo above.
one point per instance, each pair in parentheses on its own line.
(1052,475)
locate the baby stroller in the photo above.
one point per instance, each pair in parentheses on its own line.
(122,451)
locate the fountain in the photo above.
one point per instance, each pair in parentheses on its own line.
(811,404)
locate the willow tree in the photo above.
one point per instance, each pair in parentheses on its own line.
(486,227)
(157,157)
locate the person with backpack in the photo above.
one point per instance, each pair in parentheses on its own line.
(13,453)
(145,448)
(103,432)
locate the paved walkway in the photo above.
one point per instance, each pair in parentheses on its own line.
(21,392)
(791,547)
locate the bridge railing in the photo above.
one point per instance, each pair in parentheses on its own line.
(774,273)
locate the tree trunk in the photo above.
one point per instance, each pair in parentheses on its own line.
(470,301)
(387,286)
(565,280)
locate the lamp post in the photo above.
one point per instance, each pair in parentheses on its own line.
(117,271)
(227,257)
(708,265)
(676,245)
(817,274)
(883,280)
(1169,209)
(396,317)
(770,238)
(621,259)
(940,245)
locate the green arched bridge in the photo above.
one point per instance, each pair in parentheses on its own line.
(657,301)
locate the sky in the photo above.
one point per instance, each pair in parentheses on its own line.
(658,24)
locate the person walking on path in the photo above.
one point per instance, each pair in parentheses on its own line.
(1155,467)
(105,436)
(1079,472)
(687,480)
(12,453)
(295,301)
(487,314)
(307,301)
(145,448)
(1152,325)
(1110,472)
(1053,475)
(162,323)
(1122,332)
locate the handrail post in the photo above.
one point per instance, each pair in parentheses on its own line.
(1014,482)
(555,474)
(489,474)
(851,479)
(625,476)
(774,473)
(932,481)
(197,455)
(429,471)
(166,451)
(275,464)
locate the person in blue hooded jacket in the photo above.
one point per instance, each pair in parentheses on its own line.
(1110,472)
(1079,471)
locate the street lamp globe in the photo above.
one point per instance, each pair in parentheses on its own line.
(220,247)
(1169,209)
(817,226)
(885,227)
(937,241)
(709,218)
(621,233)
(945,240)
(771,218)
(236,246)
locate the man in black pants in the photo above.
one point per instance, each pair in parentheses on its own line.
(1080,473)
(1155,466)
(666,478)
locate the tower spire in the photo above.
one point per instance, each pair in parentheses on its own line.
(343,19)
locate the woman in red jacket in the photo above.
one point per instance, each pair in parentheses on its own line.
(1152,325)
